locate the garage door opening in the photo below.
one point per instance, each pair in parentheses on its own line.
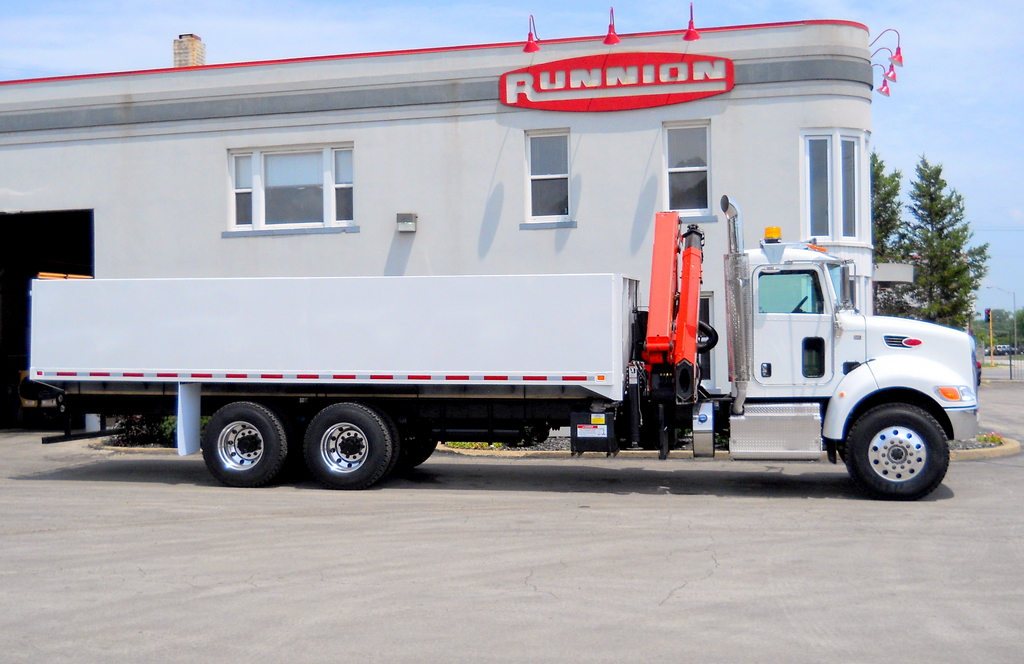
(54,243)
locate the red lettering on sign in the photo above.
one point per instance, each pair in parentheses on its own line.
(617,82)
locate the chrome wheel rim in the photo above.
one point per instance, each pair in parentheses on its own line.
(240,446)
(897,454)
(344,448)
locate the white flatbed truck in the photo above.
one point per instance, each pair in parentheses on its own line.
(365,375)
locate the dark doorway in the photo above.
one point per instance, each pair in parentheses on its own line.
(59,243)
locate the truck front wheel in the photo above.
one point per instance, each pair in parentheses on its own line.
(244,445)
(897,452)
(349,446)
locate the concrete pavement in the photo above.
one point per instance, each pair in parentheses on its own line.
(109,557)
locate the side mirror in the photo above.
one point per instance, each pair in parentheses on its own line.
(848,296)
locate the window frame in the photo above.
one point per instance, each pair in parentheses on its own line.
(668,171)
(840,191)
(257,189)
(557,219)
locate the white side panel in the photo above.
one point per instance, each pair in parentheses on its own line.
(476,329)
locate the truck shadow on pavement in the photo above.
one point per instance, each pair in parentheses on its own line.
(759,481)
(789,481)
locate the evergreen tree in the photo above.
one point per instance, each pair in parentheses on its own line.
(946,271)
(885,210)
(886,222)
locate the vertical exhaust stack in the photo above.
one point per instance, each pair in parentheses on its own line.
(738,306)
(189,51)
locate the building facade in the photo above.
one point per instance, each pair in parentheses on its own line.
(468,160)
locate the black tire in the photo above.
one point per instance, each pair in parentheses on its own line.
(244,445)
(897,452)
(414,452)
(349,446)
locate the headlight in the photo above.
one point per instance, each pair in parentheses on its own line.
(957,393)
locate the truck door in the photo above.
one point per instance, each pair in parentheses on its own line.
(792,327)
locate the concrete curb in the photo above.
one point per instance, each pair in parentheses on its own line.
(564,454)
(132,450)
(1008,448)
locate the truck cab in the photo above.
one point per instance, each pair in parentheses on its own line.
(877,379)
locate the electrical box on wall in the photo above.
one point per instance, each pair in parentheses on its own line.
(407,222)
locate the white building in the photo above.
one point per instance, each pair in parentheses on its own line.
(307,166)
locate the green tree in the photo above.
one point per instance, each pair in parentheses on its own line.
(885,210)
(886,223)
(946,271)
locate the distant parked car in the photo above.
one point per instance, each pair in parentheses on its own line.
(1003,349)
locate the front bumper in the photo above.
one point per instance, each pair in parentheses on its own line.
(964,421)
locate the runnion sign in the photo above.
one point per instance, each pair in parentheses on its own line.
(617,82)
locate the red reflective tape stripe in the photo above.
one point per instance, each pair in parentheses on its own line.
(574,377)
(164,375)
(271,375)
(67,373)
(39,373)
(382,377)
(133,375)
(419,378)
(202,375)
(311,376)
(99,373)
(535,377)
(236,375)
(495,377)
(344,377)
(456,377)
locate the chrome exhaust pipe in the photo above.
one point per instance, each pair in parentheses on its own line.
(738,307)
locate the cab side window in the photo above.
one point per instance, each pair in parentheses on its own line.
(789,292)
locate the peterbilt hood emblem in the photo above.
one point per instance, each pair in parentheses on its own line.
(617,82)
(900,341)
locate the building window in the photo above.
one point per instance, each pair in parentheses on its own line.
(293,189)
(833,186)
(549,175)
(343,185)
(243,190)
(687,168)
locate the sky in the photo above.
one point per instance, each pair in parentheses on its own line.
(958,100)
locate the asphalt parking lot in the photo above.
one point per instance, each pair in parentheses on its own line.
(144,558)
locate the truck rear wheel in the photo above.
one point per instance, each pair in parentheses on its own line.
(897,452)
(414,452)
(349,446)
(244,445)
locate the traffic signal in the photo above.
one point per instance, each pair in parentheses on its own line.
(988,315)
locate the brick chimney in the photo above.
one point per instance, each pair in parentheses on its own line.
(189,51)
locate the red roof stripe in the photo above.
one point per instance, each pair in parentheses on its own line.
(99,373)
(495,377)
(419,378)
(310,376)
(418,51)
(236,375)
(535,377)
(166,375)
(202,375)
(271,375)
(574,377)
(133,375)
(67,373)
(381,377)
(456,377)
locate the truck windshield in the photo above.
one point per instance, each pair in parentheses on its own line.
(835,272)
